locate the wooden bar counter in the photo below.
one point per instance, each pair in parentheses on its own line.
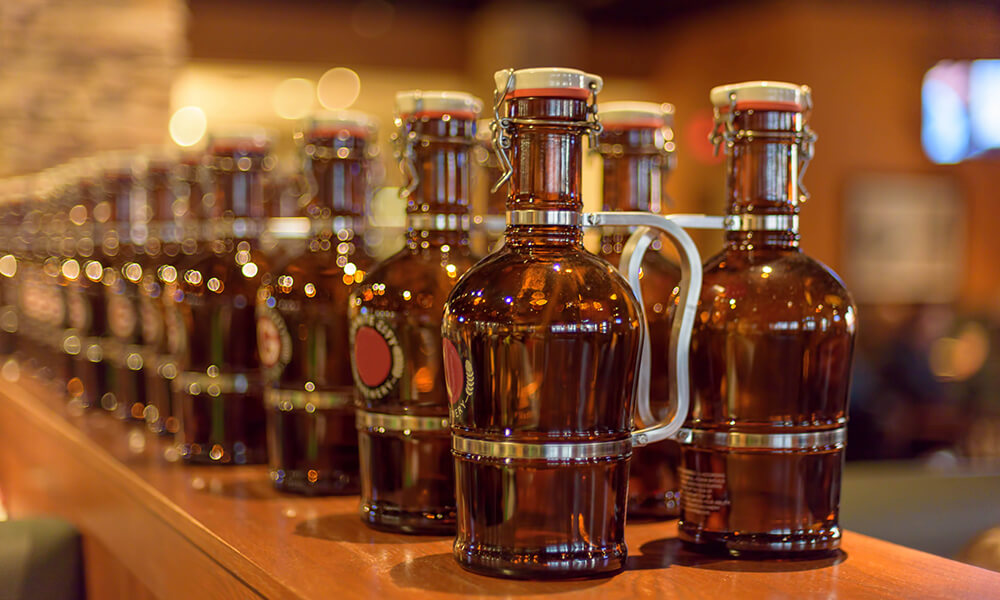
(156,528)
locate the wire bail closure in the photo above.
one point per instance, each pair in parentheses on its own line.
(305,179)
(725,132)
(403,142)
(503,127)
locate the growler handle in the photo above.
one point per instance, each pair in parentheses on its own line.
(649,228)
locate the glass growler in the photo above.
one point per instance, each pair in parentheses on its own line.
(191,188)
(637,148)
(407,478)
(219,392)
(771,351)
(167,208)
(542,342)
(122,187)
(302,321)
(86,301)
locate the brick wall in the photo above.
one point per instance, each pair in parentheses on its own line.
(78,77)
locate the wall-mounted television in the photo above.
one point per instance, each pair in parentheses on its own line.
(961,110)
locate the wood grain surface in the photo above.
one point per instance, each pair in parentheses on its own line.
(223,532)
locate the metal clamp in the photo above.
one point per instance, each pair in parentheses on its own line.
(405,140)
(503,127)
(384,423)
(234,228)
(548,451)
(810,440)
(569,218)
(750,222)
(213,383)
(804,140)
(289,228)
(284,399)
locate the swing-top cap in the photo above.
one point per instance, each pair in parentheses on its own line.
(240,138)
(333,123)
(436,104)
(636,115)
(553,82)
(762,95)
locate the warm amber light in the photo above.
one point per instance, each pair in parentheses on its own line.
(338,88)
(293,98)
(8,265)
(70,269)
(188,125)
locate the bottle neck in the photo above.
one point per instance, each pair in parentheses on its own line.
(238,195)
(762,182)
(338,173)
(160,196)
(635,170)
(544,202)
(238,185)
(437,209)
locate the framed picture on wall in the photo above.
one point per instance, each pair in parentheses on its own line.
(905,238)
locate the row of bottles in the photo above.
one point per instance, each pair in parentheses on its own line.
(524,401)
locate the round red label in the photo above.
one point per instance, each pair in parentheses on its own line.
(372,356)
(453,375)
(268,342)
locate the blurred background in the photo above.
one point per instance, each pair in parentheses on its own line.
(904,184)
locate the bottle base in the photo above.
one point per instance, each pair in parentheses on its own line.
(658,507)
(326,484)
(761,546)
(392,519)
(501,562)
(224,455)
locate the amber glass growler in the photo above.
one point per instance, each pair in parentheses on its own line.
(219,392)
(542,341)
(637,148)
(407,478)
(302,322)
(86,301)
(123,245)
(167,196)
(771,351)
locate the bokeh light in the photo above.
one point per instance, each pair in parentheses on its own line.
(700,125)
(188,125)
(338,88)
(293,98)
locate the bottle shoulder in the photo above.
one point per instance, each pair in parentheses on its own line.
(412,281)
(772,268)
(773,287)
(533,287)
